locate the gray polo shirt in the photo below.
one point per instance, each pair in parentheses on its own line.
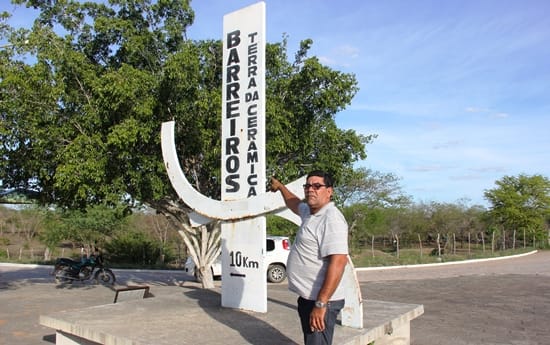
(320,235)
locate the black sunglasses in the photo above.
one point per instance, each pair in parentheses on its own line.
(316,186)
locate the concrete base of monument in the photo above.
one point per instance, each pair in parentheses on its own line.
(195,316)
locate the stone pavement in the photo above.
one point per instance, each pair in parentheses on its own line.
(496,302)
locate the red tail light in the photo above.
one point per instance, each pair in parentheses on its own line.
(286,244)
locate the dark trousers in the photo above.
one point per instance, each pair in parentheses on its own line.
(318,338)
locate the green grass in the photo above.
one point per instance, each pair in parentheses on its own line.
(409,256)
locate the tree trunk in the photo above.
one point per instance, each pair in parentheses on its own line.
(483,241)
(493,243)
(203,243)
(204,276)
(420,243)
(372,245)
(351,232)
(397,245)
(514,240)
(454,244)
(204,247)
(438,245)
(469,245)
(47,254)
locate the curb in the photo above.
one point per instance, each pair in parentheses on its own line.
(377,268)
(9,264)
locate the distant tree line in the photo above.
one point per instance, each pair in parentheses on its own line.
(377,211)
(383,218)
(136,239)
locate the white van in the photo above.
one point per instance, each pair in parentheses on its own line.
(277,248)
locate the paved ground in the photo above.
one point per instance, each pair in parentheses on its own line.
(496,302)
(489,303)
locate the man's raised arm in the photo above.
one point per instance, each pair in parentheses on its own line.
(291,200)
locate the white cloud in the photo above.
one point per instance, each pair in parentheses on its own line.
(325,60)
(347,51)
(447,145)
(489,169)
(501,115)
(476,110)
(340,56)
(428,168)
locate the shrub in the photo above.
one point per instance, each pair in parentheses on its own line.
(134,248)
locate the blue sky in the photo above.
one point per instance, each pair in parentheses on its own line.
(458,91)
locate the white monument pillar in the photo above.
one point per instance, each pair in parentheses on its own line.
(243,156)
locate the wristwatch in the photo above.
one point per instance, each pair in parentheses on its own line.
(320,304)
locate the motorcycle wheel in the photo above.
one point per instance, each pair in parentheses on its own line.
(105,276)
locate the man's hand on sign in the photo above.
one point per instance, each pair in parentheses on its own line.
(275,184)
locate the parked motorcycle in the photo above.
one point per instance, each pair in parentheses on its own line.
(68,270)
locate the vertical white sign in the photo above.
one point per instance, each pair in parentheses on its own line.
(243,156)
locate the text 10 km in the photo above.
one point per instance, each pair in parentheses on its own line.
(238,260)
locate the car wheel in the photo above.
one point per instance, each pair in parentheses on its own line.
(276,273)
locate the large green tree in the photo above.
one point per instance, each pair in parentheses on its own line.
(521,203)
(85,90)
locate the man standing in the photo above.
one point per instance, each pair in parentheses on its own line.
(318,256)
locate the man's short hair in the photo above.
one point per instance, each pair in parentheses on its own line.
(327,178)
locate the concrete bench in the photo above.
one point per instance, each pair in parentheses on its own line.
(195,316)
(129,293)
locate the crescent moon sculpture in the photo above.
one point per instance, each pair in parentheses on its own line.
(206,208)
